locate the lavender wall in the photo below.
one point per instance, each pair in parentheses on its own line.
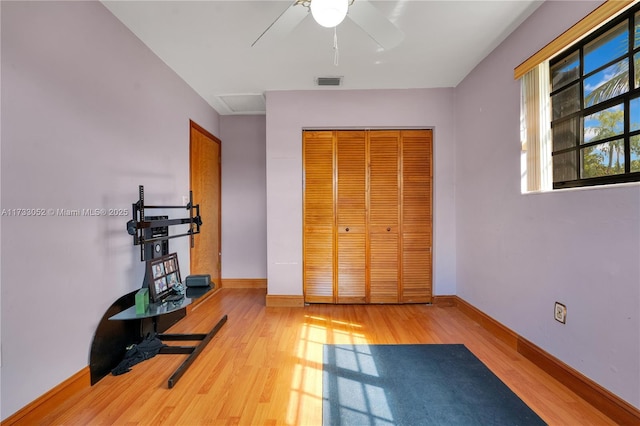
(88,114)
(288,113)
(518,254)
(244,196)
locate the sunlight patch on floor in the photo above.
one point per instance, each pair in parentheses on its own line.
(357,385)
(306,384)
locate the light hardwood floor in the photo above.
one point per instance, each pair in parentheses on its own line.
(264,367)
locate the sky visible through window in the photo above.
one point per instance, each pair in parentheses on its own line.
(607,158)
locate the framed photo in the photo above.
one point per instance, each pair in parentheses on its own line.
(158,270)
(160,285)
(560,313)
(172,279)
(163,274)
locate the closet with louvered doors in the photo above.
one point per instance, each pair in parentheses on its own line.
(367,216)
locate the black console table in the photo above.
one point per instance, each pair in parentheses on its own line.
(154,312)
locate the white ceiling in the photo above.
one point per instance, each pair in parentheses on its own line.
(208,43)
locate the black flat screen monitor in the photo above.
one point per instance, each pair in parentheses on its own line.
(163,273)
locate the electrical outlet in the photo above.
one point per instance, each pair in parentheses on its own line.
(560,313)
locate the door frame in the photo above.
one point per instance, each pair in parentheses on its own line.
(194,169)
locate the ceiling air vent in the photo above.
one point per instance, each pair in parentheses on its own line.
(329,81)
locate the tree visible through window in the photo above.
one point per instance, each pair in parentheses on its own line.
(595,103)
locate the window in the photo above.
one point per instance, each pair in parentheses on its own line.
(595,106)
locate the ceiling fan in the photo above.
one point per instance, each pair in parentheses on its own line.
(330,13)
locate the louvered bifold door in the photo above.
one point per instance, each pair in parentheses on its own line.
(416,216)
(367,210)
(318,212)
(383,216)
(351,216)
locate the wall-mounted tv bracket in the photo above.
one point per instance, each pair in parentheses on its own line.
(136,225)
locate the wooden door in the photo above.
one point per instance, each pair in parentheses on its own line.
(351,220)
(417,217)
(384,202)
(318,217)
(204,162)
(367,211)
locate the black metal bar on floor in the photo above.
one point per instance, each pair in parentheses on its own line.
(182,336)
(187,362)
(177,350)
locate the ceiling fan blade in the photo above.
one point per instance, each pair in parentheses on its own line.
(375,24)
(286,22)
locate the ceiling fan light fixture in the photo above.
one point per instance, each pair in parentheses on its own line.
(329,13)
